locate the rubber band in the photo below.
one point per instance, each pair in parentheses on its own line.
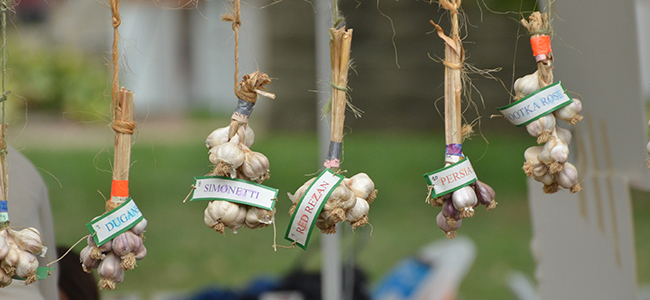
(454,149)
(541,45)
(120,188)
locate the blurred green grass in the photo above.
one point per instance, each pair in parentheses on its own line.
(185,255)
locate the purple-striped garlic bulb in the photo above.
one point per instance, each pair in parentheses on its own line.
(110,271)
(444,225)
(125,246)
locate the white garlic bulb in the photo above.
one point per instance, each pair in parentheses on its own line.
(362,186)
(339,201)
(533,167)
(223,213)
(568,178)
(464,200)
(110,271)
(5,280)
(141,253)
(26,267)
(4,247)
(549,181)
(554,154)
(226,157)
(357,216)
(542,128)
(295,198)
(570,113)
(220,136)
(10,261)
(258,217)
(325,223)
(29,239)
(563,134)
(449,230)
(527,85)
(139,228)
(255,166)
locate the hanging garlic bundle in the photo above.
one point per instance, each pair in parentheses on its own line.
(230,153)
(18,251)
(546,163)
(459,202)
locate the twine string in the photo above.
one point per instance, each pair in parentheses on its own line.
(115,11)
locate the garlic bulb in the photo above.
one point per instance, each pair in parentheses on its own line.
(570,113)
(526,85)
(220,136)
(26,267)
(325,224)
(554,154)
(295,198)
(542,128)
(255,166)
(226,157)
(125,246)
(10,261)
(563,134)
(533,167)
(4,247)
(141,253)
(110,272)
(29,239)
(568,178)
(98,252)
(362,186)
(139,228)
(449,230)
(549,181)
(258,217)
(88,263)
(464,200)
(358,214)
(339,201)
(5,280)
(485,194)
(223,213)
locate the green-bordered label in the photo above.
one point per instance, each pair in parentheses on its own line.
(311,203)
(536,105)
(451,178)
(234,190)
(114,222)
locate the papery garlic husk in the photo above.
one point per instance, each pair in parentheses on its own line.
(439,201)
(4,247)
(139,228)
(220,136)
(125,246)
(26,267)
(10,261)
(341,199)
(485,194)
(542,128)
(98,252)
(570,113)
(110,271)
(449,230)
(226,158)
(87,263)
(255,166)
(358,214)
(568,178)
(533,167)
(526,85)
(464,200)
(219,214)
(295,198)
(5,280)
(550,183)
(29,239)
(325,224)
(563,134)
(258,217)
(141,253)
(554,154)
(362,186)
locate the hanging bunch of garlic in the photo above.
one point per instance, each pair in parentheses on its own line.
(230,153)
(18,251)
(115,256)
(547,163)
(349,201)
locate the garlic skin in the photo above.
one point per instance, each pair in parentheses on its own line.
(549,181)
(255,166)
(568,178)
(110,272)
(5,280)
(220,214)
(554,154)
(357,216)
(4,247)
(26,267)
(125,246)
(29,239)
(464,200)
(485,194)
(542,128)
(570,113)
(362,186)
(98,252)
(339,201)
(88,263)
(526,85)
(220,136)
(226,157)
(141,253)
(258,217)
(295,198)
(139,228)
(325,223)
(10,261)
(533,167)
(449,230)
(563,134)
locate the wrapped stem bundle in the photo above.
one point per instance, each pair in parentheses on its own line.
(457,203)
(547,163)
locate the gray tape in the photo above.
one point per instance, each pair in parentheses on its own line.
(334,151)
(244,107)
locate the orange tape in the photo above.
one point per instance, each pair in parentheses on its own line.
(120,188)
(541,45)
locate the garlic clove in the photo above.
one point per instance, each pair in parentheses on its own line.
(568,178)
(563,134)
(255,166)
(29,239)
(26,267)
(361,185)
(87,262)
(141,253)
(527,85)
(449,230)
(485,194)
(10,261)
(464,200)
(258,217)
(357,216)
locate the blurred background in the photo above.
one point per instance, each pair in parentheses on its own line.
(178,58)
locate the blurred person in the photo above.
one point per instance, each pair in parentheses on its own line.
(74,283)
(29,206)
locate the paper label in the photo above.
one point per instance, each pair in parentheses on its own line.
(536,105)
(307,211)
(451,178)
(234,190)
(114,222)
(4,212)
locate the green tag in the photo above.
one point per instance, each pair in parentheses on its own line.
(41,273)
(451,178)
(536,105)
(114,222)
(234,190)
